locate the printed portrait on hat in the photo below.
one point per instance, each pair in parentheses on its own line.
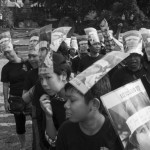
(129,109)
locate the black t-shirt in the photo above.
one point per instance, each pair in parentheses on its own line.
(75,64)
(58,111)
(37,113)
(124,76)
(31,79)
(15,73)
(87,61)
(70,137)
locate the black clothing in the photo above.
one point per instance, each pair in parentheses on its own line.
(31,79)
(20,120)
(75,64)
(70,137)
(14,73)
(59,116)
(37,114)
(87,61)
(124,76)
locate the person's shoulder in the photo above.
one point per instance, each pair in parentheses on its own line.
(120,71)
(84,58)
(6,66)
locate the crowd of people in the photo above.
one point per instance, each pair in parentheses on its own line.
(63,117)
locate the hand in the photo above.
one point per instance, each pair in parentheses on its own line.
(7,106)
(46,105)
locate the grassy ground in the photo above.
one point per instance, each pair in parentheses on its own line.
(8,137)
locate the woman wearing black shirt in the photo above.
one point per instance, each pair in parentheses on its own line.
(12,76)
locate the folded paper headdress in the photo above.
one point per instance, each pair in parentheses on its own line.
(89,77)
(132,41)
(59,35)
(92,34)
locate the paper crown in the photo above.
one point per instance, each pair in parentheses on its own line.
(59,35)
(52,59)
(43,44)
(68,41)
(45,33)
(92,34)
(133,42)
(47,65)
(74,43)
(5,35)
(86,80)
(129,106)
(82,39)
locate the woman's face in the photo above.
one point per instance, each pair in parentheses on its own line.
(51,82)
(143,136)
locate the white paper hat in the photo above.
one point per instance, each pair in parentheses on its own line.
(74,43)
(92,34)
(86,79)
(59,35)
(133,42)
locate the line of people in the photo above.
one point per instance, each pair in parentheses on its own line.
(63,118)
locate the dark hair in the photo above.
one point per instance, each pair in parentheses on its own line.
(63,49)
(100,88)
(61,65)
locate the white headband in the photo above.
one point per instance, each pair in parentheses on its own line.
(34,38)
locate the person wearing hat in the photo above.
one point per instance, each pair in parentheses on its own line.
(87,127)
(13,75)
(134,66)
(34,40)
(34,94)
(82,51)
(54,74)
(94,51)
(36,56)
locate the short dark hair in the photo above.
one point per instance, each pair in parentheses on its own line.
(63,67)
(100,88)
(60,65)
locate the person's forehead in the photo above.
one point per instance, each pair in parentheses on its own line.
(73,93)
